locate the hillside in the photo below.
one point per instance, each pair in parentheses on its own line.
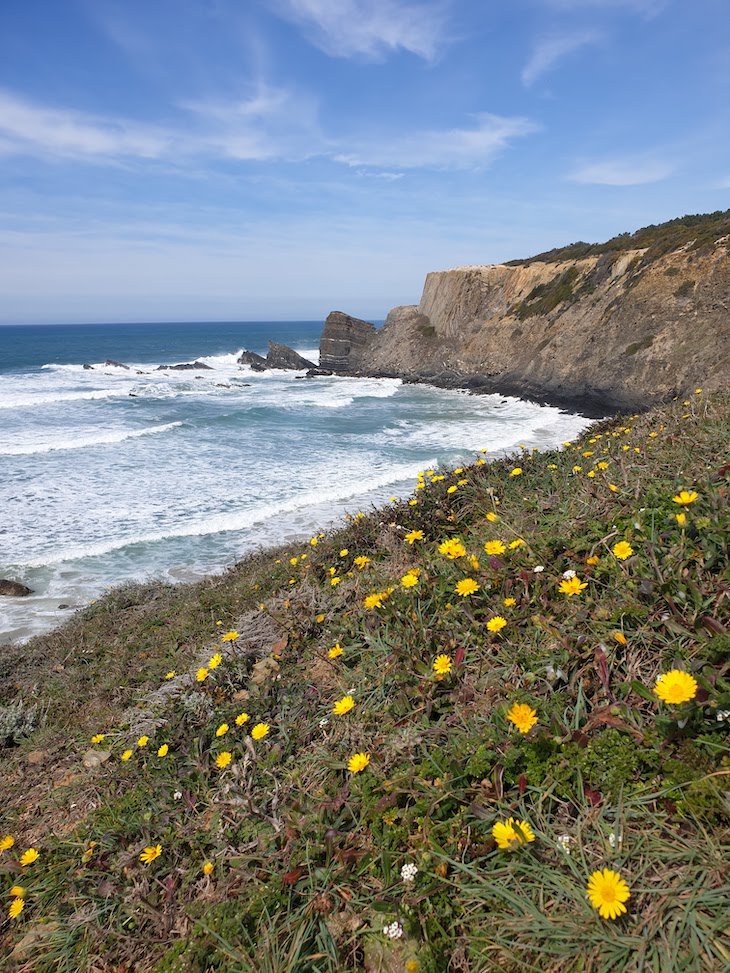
(407,745)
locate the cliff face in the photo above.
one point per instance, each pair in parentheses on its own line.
(603,331)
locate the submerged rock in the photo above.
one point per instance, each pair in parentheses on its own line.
(14,589)
(114,364)
(187,366)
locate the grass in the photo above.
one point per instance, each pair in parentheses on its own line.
(307,856)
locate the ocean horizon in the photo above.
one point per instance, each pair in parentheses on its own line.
(111,474)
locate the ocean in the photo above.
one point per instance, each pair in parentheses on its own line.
(112,474)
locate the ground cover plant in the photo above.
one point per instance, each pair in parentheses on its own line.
(484,728)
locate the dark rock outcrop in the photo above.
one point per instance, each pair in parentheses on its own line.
(187,366)
(14,589)
(319,373)
(256,362)
(115,364)
(87,367)
(281,356)
(343,342)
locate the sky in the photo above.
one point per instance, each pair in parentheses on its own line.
(168,160)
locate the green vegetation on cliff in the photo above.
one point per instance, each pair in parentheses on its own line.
(310,763)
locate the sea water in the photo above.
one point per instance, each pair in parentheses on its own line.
(110,474)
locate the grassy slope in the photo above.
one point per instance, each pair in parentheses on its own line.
(307,856)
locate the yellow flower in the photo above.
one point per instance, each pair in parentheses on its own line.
(17,892)
(494,547)
(314,541)
(344,552)
(335,581)
(620,638)
(517,542)
(293,561)
(242,718)
(150,853)
(517,471)
(98,737)
(413,502)
(491,517)
(7,842)
(496,624)
(260,731)
(223,759)
(511,834)
(441,665)
(681,518)
(613,488)
(474,562)
(523,716)
(360,563)
(215,661)
(320,618)
(143,741)
(208,868)
(590,474)
(685,497)
(675,687)
(413,535)
(16,907)
(343,706)
(222,730)
(409,580)
(592,560)
(452,548)
(607,892)
(126,755)
(229,636)
(28,857)
(509,602)
(572,586)
(163,750)
(452,489)
(170,674)
(358,762)
(622,550)
(577,469)
(375,600)
(202,674)
(335,652)
(467,586)
(602,465)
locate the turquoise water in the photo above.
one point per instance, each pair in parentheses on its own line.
(112,474)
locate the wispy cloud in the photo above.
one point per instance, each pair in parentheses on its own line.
(456,148)
(644,8)
(622,172)
(369,28)
(554,48)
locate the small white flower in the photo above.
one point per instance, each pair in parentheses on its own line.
(722,714)
(614,840)
(323,722)
(177,795)
(565,841)
(408,872)
(682,723)
(554,674)
(538,569)
(568,574)
(394,930)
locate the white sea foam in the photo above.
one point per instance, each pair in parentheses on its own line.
(20,401)
(77,440)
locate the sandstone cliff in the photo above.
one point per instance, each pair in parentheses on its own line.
(613,330)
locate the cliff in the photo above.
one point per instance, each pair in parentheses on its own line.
(621,328)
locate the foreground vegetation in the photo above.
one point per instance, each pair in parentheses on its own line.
(408,745)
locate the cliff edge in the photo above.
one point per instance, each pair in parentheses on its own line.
(621,328)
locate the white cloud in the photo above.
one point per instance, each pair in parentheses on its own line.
(369,28)
(644,8)
(456,148)
(552,49)
(622,172)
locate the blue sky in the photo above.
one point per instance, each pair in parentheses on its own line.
(276,159)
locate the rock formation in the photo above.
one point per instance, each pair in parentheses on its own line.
(281,356)
(14,589)
(344,341)
(187,366)
(256,362)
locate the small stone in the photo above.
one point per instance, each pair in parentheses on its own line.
(95,758)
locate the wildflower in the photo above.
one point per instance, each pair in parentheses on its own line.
(552,466)
(523,716)
(413,502)
(441,665)
(568,574)
(215,661)
(681,519)
(591,474)
(163,751)
(143,741)
(16,907)
(577,469)
(320,618)
(28,857)
(491,517)
(260,731)
(452,489)
(722,714)
(474,562)
(408,873)
(573,586)
(177,795)
(126,755)
(409,580)
(360,561)
(223,759)
(620,638)
(332,571)
(229,636)
(293,561)
(517,542)
(208,868)
(343,706)
(511,834)
(7,842)
(517,471)
(622,550)
(17,892)
(564,842)
(538,569)
(467,586)
(202,674)
(613,488)
(314,541)
(509,602)
(344,552)
(358,762)
(593,560)
(335,652)
(494,547)
(394,930)
(412,536)
(685,497)
(374,600)
(242,718)
(98,737)
(170,674)
(602,465)
(222,730)
(675,687)
(452,548)
(150,853)
(496,624)
(323,722)
(335,581)
(607,892)
(614,839)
